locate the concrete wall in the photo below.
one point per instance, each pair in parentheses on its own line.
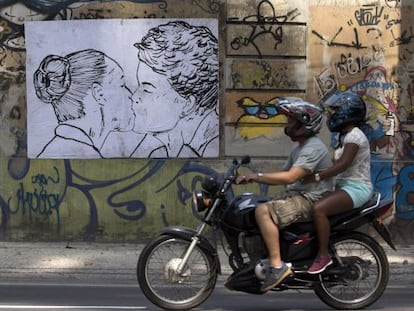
(267,49)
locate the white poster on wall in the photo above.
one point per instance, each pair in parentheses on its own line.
(122,88)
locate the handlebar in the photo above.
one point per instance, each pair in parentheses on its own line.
(232,171)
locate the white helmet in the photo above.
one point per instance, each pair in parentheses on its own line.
(309,116)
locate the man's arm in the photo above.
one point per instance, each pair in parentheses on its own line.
(274,178)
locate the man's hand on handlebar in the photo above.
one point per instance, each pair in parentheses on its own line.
(245,179)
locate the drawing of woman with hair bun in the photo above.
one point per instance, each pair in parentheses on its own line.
(83,89)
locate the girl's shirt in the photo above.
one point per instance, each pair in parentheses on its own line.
(360,169)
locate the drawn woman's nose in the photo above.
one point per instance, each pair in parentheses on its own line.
(136,98)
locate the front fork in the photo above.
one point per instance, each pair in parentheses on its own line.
(195,239)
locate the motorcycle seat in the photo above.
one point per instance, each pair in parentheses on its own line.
(362,210)
(338,218)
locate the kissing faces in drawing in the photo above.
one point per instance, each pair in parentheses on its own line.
(158,107)
(114,97)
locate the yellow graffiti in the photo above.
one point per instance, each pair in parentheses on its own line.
(260,119)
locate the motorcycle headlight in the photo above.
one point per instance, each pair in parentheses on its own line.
(210,184)
(200,201)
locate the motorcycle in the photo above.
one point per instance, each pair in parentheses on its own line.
(179,269)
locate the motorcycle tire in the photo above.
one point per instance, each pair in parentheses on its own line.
(365,276)
(163,286)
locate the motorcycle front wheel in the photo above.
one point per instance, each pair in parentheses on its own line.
(161,283)
(363,279)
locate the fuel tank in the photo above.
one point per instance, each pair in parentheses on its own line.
(240,213)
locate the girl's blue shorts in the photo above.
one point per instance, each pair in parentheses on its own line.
(359,192)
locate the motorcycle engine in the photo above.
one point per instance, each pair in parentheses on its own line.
(252,247)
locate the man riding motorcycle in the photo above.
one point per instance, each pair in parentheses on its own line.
(309,156)
(178,270)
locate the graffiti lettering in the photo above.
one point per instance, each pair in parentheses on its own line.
(349,65)
(43,180)
(325,81)
(258,31)
(374,84)
(92,14)
(392,22)
(365,16)
(36,202)
(263,25)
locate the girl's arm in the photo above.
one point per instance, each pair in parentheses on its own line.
(340,165)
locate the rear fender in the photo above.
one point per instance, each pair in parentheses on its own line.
(357,217)
(372,214)
(187,234)
(383,232)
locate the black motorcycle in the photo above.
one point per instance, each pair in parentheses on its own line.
(178,270)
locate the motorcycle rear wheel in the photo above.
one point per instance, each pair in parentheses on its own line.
(366,275)
(163,286)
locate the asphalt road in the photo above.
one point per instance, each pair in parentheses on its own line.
(91,296)
(96,276)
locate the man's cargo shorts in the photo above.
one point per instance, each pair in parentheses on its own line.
(290,208)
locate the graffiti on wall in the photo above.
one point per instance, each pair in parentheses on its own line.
(133,197)
(14,13)
(366,48)
(264,47)
(265,25)
(362,59)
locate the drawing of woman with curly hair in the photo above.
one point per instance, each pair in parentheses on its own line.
(176,101)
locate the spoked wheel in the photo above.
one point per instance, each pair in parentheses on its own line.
(364,278)
(164,286)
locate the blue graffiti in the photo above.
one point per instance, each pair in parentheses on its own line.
(136,207)
(5,219)
(41,202)
(36,202)
(33,201)
(44,180)
(128,210)
(405,206)
(184,194)
(382,176)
